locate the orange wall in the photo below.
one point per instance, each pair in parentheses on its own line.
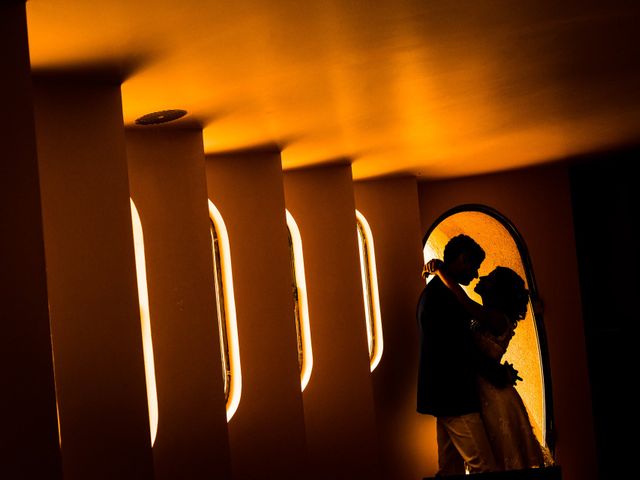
(29,433)
(408,439)
(266,434)
(537,202)
(338,402)
(168,186)
(92,282)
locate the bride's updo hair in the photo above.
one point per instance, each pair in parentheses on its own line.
(505,291)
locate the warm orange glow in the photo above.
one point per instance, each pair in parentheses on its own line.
(58,419)
(501,249)
(145,319)
(371,298)
(305,326)
(235,387)
(395,86)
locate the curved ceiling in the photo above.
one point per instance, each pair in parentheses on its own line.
(431,88)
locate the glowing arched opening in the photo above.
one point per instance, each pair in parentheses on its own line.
(370,290)
(145,319)
(503,246)
(303,326)
(229,306)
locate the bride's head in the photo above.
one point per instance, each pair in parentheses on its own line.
(504,290)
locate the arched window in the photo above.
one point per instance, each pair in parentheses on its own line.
(226,309)
(301,308)
(504,246)
(370,290)
(147,344)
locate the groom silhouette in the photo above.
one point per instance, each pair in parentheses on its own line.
(448,366)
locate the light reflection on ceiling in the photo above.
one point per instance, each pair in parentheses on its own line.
(431,88)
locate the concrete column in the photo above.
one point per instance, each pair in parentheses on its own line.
(29,434)
(391,208)
(95,316)
(338,401)
(168,186)
(266,434)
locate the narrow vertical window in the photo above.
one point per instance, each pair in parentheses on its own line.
(226,309)
(301,309)
(147,344)
(370,290)
(221,311)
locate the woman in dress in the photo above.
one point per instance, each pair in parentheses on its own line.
(504,304)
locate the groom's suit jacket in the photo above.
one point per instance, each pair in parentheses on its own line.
(447,368)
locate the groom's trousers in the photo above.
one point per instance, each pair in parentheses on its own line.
(463,440)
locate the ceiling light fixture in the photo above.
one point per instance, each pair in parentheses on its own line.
(162,116)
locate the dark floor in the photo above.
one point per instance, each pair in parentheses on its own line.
(549,473)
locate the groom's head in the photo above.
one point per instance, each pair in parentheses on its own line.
(463,257)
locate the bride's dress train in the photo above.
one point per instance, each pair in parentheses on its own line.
(505,416)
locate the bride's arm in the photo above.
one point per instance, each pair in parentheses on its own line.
(494,321)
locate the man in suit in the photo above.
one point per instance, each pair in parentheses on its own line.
(448,366)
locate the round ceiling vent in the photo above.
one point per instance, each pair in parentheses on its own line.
(162,116)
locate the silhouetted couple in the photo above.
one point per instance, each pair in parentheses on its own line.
(482,424)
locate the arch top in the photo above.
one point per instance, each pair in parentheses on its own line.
(508,225)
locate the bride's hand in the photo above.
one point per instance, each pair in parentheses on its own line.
(512,373)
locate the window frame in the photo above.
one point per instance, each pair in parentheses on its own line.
(536,304)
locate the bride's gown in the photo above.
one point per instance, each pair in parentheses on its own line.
(508,426)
